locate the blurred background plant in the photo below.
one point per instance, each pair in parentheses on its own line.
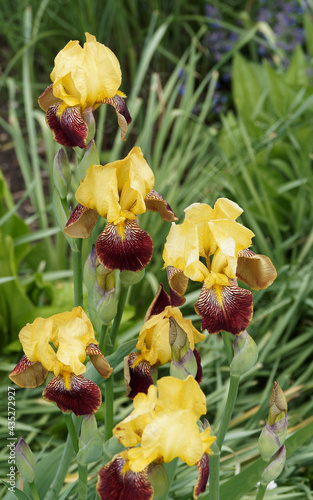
(221,99)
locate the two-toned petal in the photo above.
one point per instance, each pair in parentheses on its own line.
(73,393)
(228,308)
(67,125)
(28,374)
(117,482)
(156,203)
(137,375)
(81,222)
(123,116)
(98,360)
(257,271)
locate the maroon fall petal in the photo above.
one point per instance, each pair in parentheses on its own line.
(138,378)
(159,303)
(228,308)
(69,128)
(28,374)
(116,484)
(178,283)
(82,398)
(126,247)
(203,475)
(98,360)
(198,376)
(156,203)
(123,116)
(81,222)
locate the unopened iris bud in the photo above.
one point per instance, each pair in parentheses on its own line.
(178,340)
(274,433)
(90,157)
(246,354)
(106,304)
(90,442)
(129,278)
(185,367)
(159,480)
(62,173)
(25,461)
(274,469)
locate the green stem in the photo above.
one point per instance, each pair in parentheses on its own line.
(261,492)
(214,477)
(62,470)
(231,398)
(215,459)
(78,274)
(34,491)
(102,336)
(170,471)
(228,346)
(82,484)
(110,339)
(71,430)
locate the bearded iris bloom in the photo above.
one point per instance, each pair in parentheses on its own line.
(60,344)
(211,247)
(83,78)
(118,192)
(162,426)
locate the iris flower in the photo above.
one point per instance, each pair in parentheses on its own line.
(118,192)
(162,426)
(164,331)
(211,247)
(83,78)
(60,344)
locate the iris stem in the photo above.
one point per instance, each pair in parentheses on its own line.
(62,470)
(78,274)
(34,491)
(102,335)
(215,459)
(261,492)
(71,430)
(82,485)
(110,340)
(228,346)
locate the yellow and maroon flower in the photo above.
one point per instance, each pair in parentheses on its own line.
(211,247)
(162,426)
(164,336)
(83,78)
(60,344)
(118,192)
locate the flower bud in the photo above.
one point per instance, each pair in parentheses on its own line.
(178,340)
(129,278)
(106,304)
(25,461)
(273,470)
(186,366)
(277,404)
(89,119)
(90,442)
(62,173)
(90,158)
(272,438)
(159,480)
(246,354)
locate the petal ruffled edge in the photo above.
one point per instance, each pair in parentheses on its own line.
(228,308)
(117,482)
(83,397)
(68,128)
(123,115)
(126,247)
(156,203)
(255,270)
(98,360)
(28,374)
(81,222)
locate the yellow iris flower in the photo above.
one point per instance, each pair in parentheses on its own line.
(83,78)
(60,344)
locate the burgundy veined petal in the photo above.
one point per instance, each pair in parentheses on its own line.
(137,379)
(126,247)
(82,398)
(123,116)
(116,484)
(255,270)
(203,475)
(69,129)
(159,303)
(28,374)
(47,99)
(228,308)
(81,222)
(156,203)
(98,360)
(198,376)
(178,283)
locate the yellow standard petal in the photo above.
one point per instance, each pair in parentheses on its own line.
(180,394)
(173,433)
(99,191)
(35,338)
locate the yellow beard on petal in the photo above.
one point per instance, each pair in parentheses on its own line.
(67,380)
